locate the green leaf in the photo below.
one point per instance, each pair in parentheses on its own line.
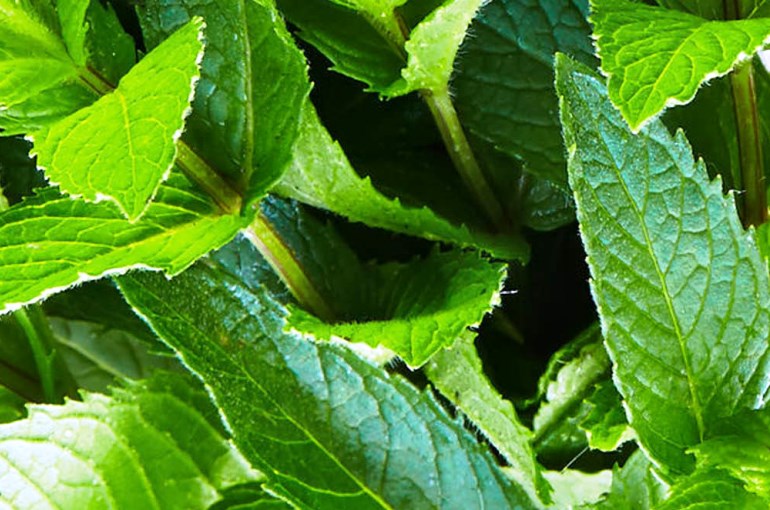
(681,288)
(38,79)
(459,375)
(111,51)
(348,436)
(51,242)
(634,487)
(98,357)
(432,47)
(252,88)
(72,19)
(711,489)
(417,308)
(321,175)
(605,424)
(656,57)
(503,83)
(353,44)
(147,446)
(11,406)
(574,488)
(131,133)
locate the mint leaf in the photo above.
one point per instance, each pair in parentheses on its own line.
(606,425)
(150,445)
(432,47)
(131,132)
(252,88)
(39,79)
(458,374)
(681,288)
(503,82)
(574,489)
(711,489)
(72,18)
(51,242)
(321,175)
(349,435)
(634,487)
(656,58)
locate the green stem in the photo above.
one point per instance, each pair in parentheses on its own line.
(284,263)
(38,332)
(750,179)
(193,166)
(395,32)
(752,173)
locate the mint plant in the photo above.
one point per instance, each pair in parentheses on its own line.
(305,254)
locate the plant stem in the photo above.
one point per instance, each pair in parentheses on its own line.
(35,326)
(284,263)
(193,166)
(395,32)
(752,204)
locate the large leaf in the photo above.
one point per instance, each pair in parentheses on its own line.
(328,429)
(51,242)
(321,175)
(681,288)
(711,489)
(40,82)
(503,83)
(656,57)
(131,133)
(458,374)
(151,445)
(252,88)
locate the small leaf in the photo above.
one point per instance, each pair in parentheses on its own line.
(711,489)
(348,435)
(131,133)
(432,47)
(72,18)
(634,487)
(573,488)
(50,242)
(656,57)
(147,446)
(606,425)
(682,291)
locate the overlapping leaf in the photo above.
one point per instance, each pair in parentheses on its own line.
(681,288)
(321,175)
(350,436)
(503,84)
(131,133)
(150,445)
(252,89)
(50,242)
(656,57)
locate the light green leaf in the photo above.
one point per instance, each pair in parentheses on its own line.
(72,19)
(503,82)
(50,242)
(656,57)
(147,446)
(131,134)
(417,308)
(321,175)
(574,488)
(711,489)
(634,487)
(432,47)
(349,436)
(252,88)
(605,424)
(458,374)
(681,288)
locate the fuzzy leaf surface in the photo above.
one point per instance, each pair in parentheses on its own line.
(50,242)
(681,288)
(146,446)
(253,85)
(321,175)
(355,436)
(433,45)
(656,57)
(131,133)
(503,84)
